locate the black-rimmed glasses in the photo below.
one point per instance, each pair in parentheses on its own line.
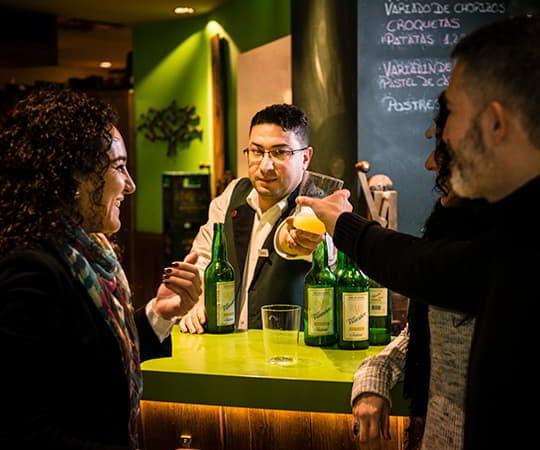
(256,155)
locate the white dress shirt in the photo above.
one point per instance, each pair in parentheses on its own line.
(263,223)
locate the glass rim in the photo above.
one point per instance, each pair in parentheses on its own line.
(323,175)
(281,307)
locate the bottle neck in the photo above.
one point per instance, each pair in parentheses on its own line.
(219,250)
(341,260)
(320,257)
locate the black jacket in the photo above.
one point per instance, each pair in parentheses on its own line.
(494,277)
(62,379)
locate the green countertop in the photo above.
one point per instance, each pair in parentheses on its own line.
(231,370)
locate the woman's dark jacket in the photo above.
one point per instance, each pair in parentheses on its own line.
(62,379)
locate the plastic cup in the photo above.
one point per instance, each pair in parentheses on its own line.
(281,326)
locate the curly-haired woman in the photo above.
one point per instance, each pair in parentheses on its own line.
(70,342)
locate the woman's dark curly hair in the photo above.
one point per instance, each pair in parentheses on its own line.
(50,140)
(441,153)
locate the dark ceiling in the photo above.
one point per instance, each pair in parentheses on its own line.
(127,12)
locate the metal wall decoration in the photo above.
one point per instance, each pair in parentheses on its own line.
(174,124)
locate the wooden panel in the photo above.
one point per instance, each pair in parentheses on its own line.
(279,430)
(148,267)
(340,438)
(398,432)
(164,423)
(236,429)
(228,428)
(218,119)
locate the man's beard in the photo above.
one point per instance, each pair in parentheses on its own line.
(469,165)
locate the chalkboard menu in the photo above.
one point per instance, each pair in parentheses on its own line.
(403,65)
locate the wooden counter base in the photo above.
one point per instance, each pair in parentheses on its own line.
(231,428)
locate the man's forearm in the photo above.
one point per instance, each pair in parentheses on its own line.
(443,273)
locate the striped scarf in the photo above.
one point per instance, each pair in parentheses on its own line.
(93,262)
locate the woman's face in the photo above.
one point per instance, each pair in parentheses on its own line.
(105,216)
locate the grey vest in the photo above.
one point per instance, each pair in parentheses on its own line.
(275,279)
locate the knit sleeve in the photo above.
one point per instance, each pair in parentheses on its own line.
(418,268)
(380,373)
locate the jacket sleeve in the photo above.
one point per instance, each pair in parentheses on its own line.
(380,373)
(444,273)
(31,325)
(150,346)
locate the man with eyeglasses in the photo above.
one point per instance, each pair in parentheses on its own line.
(252,209)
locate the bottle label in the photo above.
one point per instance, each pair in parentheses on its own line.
(355,316)
(225,303)
(378,302)
(320,311)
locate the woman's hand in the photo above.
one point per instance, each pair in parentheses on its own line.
(180,288)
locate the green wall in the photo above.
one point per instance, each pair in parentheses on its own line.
(171,61)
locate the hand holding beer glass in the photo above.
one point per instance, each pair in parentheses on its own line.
(314,185)
(304,228)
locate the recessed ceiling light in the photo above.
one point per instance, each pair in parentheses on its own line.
(105,64)
(184,10)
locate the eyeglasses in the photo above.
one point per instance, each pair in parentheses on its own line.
(256,155)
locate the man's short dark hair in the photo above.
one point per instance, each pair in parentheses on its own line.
(501,61)
(288,117)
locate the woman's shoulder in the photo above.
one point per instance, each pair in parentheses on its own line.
(31,254)
(31,260)
(37,279)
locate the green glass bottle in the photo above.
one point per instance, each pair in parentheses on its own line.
(380,314)
(340,264)
(219,287)
(319,301)
(352,304)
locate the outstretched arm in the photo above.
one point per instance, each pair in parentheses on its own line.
(445,273)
